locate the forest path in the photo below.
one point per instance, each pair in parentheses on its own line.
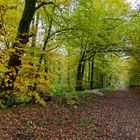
(119,114)
(113,116)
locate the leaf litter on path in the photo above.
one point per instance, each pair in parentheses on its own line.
(115,116)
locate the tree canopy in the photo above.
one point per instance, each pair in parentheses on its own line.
(64,45)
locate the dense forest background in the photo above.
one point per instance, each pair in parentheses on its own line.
(61,46)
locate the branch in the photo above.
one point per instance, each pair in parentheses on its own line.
(60,31)
(122,17)
(52,48)
(45,3)
(92,53)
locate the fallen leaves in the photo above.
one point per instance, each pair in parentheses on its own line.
(116,116)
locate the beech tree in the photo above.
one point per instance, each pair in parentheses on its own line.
(65,45)
(18,47)
(133,53)
(100,27)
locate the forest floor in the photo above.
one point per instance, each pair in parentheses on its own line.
(114,116)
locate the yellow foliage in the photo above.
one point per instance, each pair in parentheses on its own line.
(63,2)
(3,2)
(3,69)
(39,99)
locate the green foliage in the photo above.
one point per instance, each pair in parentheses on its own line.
(134,51)
(62,121)
(85,122)
(77,138)
(104,32)
(30,124)
(62,93)
(7,100)
(72,98)
(134,73)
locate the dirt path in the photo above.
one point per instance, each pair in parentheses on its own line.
(116,116)
(120,116)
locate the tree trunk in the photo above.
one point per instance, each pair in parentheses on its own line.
(102,80)
(80,73)
(92,74)
(34,29)
(109,82)
(89,73)
(68,76)
(46,68)
(44,47)
(22,38)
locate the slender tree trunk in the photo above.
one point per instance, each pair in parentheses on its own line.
(34,29)
(80,70)
(68,76)
(110,78)
(44,46)
(80,73)
(102,80)
(46,68)
(21,40)
(92,74)
(89,73)
(59,73)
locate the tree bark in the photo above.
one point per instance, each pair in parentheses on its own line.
(80,73)
(80,70)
